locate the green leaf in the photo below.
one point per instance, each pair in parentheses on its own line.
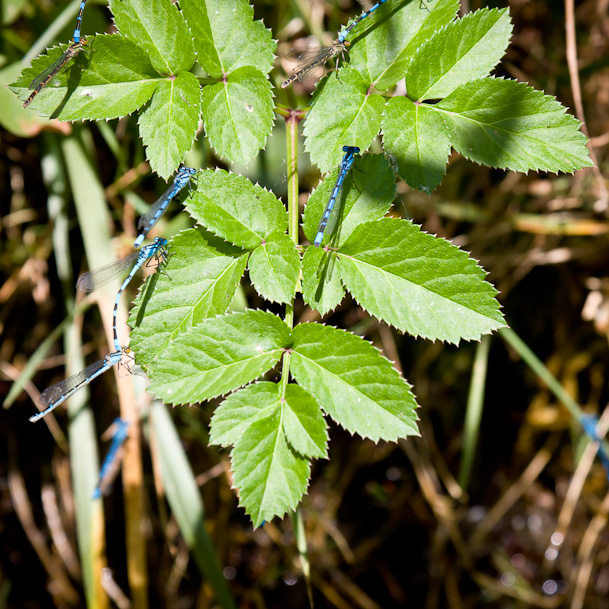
(226,36)
(302,420)
(159,28)
(242,408)
(418,283)
(200,280)
(507,124)
(274,268)
(357,123)
(219,355)
(169,124)
(321,285)
(367,193)
(353,383)
(235,209)
(270,476)
(304,424)
(415,137)
(238,114)
(461,51)
(116,80)
(383,45)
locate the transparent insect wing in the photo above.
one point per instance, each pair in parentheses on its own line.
(302,54)
(315,58)
(53,393)
(336,213)
(92,280)
(162,200)
(54,67)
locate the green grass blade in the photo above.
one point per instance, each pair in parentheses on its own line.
(473,416)
(92,212)
(185,501)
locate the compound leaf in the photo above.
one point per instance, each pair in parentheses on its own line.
(366,194)
(159,28)
(242,408)
(304,424)
(461,51)
(302,420)
(414,135)
(271,477)
(226,36)
(384,44)
(111,79)
(321,286)
(357,123)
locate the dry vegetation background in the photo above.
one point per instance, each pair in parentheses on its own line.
(387,525)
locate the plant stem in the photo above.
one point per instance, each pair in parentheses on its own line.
(293,118)
(292,122)
(301,544)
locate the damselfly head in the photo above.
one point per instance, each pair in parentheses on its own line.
(184,175)
(183,171)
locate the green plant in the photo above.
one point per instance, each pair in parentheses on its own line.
(420,284)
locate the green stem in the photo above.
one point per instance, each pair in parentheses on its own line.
(292,121)
(541,371)
(293,118)
(301,544)
(474,411)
